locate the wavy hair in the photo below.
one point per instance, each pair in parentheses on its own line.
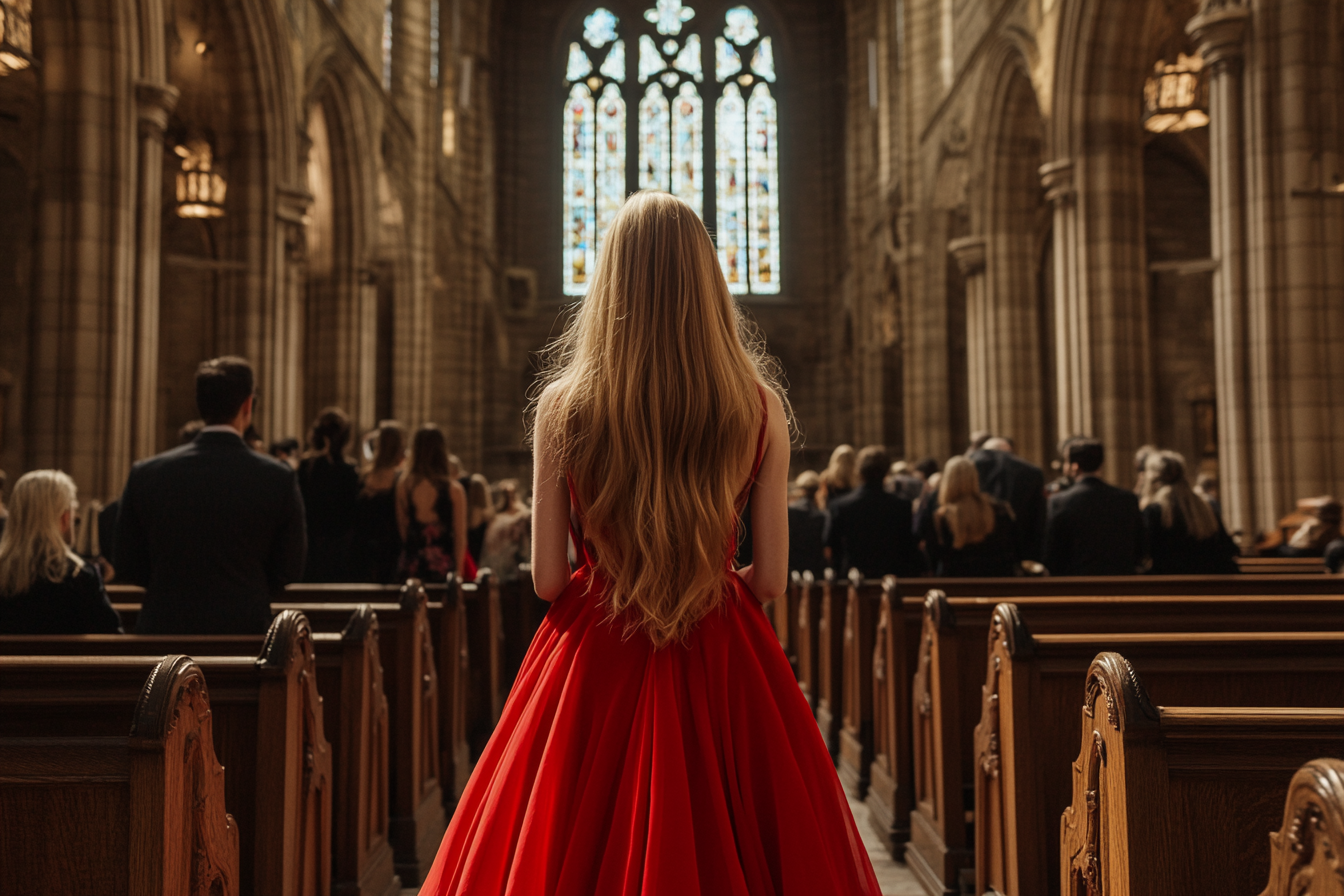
(968,513)
(652,390)
(1165,477)
(33,546)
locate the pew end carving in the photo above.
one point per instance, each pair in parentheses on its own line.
(1306,855)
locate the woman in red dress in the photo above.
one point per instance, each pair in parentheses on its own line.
(655,741)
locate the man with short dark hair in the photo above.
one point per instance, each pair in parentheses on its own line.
(1093,528)
(870,528)
(212,529)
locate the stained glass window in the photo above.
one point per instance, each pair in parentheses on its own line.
(762,197)
(655,119)
(731,181)
(659,119)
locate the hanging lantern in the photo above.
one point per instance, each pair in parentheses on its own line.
(1176,96)
(16,35)
(200,189)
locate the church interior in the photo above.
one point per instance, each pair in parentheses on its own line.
(1036,219)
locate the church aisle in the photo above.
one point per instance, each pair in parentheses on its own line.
(895,878)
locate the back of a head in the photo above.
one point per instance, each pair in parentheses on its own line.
(873,464)
(927,468)
(32,545)
(478,492)
(331,432)
(809,483)
(1089,454)
(653,392)
(978,440)
(968,513)
(391,445)
(222,385)
(998,443)
(429,454)
(843,470)
(1170,489)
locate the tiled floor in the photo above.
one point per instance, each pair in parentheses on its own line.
(895,878)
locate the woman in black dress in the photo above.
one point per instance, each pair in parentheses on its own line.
(431,511)
(1185,536)
(45,588)
(329,484)
(377,540)
(970,535)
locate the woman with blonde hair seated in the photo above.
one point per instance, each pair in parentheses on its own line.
(1184,534)
(970,535)
(840,476)
(45,588)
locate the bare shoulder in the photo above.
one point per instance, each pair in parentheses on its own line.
(777,424)
(456,490)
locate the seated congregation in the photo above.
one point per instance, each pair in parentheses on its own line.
(321,651)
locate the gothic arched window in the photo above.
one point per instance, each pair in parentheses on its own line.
(669,138)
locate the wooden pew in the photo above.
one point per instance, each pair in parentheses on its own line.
(830,660)
(411,682)
(355,722)
(951,669)
(133,808)
(448,620)
(808,624)
(1282,565)
(1174,800)
(1108,586)
(268,732)
(783,615)
(485,631)
(897,656)
(1030,722)
(1303,855)
(863,601)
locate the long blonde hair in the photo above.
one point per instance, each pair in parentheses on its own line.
(842,473)
(1165,475)
(652,393)
(33,546)
(968,513)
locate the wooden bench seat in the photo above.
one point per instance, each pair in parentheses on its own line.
(900,621)
(1304,852)
(951,665)
(1172,800)
(136,807)
(1031,724)
(355,719)
(268,732)
(806,629)
(417,819)
(1282,565)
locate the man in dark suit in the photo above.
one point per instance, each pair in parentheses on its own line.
(1018,484)
(212,529)
(1094,528)
(870,528)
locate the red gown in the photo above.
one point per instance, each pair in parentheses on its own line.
(617,769)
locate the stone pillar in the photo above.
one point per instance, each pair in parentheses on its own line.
(282,382)
(969,251)
(1073,331)
(154,103)
(1219,33)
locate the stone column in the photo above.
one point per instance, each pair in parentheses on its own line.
(1219,32)
(282,382)
(154,103)
(1073,331)
(969,252)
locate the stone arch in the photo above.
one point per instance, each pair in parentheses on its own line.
(1094,177)
(1005,319)
(340,295)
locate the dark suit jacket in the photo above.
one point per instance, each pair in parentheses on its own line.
(1021,486)
(807,533)
(870,528)
(213,531)
(1095,529)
